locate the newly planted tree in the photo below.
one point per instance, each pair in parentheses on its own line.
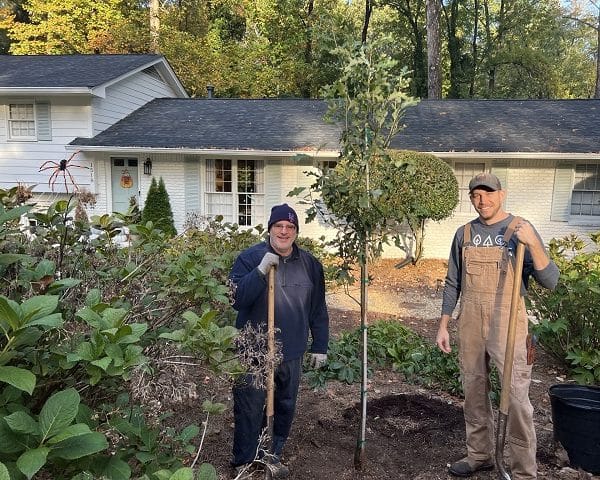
(368,102)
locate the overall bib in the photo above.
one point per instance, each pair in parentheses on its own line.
(488,275)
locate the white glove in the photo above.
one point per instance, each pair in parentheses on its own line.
(268,261)
(317,360)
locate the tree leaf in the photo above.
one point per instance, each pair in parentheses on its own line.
(58,412)
(31,461)
(18,377)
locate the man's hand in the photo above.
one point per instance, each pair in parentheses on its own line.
(268,261)
(443,337)
(317,360)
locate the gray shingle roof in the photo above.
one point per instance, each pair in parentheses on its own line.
(234,124)
(55,71)
(568,126)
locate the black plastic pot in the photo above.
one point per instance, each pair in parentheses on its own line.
(576,420)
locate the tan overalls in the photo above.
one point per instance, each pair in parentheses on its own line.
(484,313)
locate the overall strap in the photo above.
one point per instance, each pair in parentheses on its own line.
(510,230)
(467,234)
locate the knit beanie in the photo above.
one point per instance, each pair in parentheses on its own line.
(283,212)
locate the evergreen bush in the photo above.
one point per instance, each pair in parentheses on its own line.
(157,208)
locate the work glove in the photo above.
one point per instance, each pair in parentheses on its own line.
(317,360)
(268,261)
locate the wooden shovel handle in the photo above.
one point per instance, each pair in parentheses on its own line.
(271,343)
(509,355)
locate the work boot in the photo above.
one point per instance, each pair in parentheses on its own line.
(278,469)
(467,467)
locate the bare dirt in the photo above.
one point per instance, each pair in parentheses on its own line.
(413,433)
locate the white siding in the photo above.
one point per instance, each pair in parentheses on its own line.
(20,160)
(125,97)
(529,185)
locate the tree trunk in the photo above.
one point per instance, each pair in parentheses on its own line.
(154,24)
(434,79)
(359,451)
(368,11)
(474,60)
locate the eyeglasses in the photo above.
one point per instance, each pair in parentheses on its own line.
(281,226)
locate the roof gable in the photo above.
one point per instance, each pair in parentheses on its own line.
(55,72)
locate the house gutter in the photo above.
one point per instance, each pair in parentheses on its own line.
(45,91)
(207,151)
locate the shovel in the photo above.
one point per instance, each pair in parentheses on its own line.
(508,363)
(270,407)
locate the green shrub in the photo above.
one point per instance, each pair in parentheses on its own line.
(157,208)
(394,345)
(569,316)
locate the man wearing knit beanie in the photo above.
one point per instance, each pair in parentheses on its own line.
(300,310)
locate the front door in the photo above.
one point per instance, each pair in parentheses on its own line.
(124,172)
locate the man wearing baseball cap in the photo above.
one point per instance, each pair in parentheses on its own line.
(481,273)
(299,309)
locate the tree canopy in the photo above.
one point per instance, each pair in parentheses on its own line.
(277,48)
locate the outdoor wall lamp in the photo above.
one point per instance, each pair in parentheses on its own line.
(148,166)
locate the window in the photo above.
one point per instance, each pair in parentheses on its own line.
(21,121)
(464,172)
(585,197)
(235,190)
(29,121)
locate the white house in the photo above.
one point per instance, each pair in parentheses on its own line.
(48,100)
(238,157)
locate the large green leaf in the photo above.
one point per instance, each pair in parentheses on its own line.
(4,472)
(21,422)
(18,377)
(117,469)
(39,306)
(10,314)
(58,412)
(31,461)
(184,473)
(9,258)
(50,321)
(9,441)
(207,472)
(69,432)
(80,446)
(59,285)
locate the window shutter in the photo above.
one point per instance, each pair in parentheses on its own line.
(192,185)
(561,195)
(42,120)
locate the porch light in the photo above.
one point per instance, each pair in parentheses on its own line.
(148,166)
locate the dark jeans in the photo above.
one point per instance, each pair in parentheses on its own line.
(249,411)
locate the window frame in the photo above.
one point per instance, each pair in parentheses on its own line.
(10,122)
(229,202)
(579,218)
